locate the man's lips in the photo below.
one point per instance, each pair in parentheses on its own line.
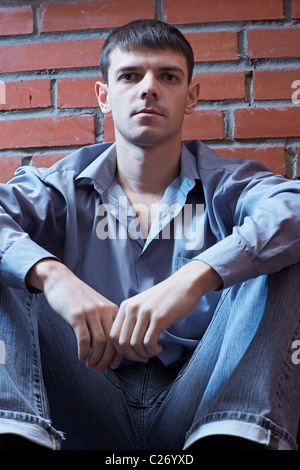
(149,111)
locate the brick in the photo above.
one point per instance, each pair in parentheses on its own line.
(77,92)
(214,45)
(109,132)
(274,84)
(212,11)
(207,46)
(69,16)
(50,55)
(267,122)
(8,166)
(296,8)
(275,42)
(221,85)
(47,132)
(27,94)
(204,125)
(271,156)
(16,20)
(47,160)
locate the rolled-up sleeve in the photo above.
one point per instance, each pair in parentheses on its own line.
(31,220)
(17,260)
(261,213)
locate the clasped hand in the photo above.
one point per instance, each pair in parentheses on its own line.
(105,333)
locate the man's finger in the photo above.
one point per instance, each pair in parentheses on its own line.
(98,345)
(121,335)
(109,355)
(83,340)
(151,340)
(138,335)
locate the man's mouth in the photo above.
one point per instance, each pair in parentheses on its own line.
(149,111)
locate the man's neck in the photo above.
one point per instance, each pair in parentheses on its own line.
(147,170)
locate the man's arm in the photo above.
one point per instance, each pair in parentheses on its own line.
(89,314)
(255,217)
(142,318)
(29,213)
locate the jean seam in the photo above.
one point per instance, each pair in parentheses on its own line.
(36,368)
(201,342)
(108,373)
(143,404)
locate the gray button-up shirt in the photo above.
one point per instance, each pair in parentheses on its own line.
(233,214)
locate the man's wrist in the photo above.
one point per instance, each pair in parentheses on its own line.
(40,273)
(203,278)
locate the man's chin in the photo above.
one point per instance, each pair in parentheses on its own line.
(148,139)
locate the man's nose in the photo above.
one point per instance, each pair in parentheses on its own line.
(149,87)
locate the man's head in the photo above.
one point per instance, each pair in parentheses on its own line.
(147,68)
(146,34)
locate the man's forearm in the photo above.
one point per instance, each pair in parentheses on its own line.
(200,278)
(89,313)
(42,271)
(142,318)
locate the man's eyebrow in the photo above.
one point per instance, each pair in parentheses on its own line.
(127,68)
(138,68)
(171,68)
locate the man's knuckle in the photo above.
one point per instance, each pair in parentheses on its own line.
(98,333)
(134,343)
(148,344)
(124,343)
(85,341)
(77,317)
(113,337)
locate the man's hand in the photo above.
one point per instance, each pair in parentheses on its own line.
(142,318)
(105,333)
(89,314)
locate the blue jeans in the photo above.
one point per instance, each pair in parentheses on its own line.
(240,381)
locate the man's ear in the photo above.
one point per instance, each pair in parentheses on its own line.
(101,90)
(192,98)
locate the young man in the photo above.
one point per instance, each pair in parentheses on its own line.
(176,270)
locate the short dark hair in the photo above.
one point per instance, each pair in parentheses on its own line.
(146,34)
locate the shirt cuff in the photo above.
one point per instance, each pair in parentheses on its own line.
(18,259)
(230,260)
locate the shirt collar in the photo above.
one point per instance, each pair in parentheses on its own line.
(103,169)
(188,170)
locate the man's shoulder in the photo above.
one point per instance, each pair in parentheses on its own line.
(78,160)
(209,160)
(64,172)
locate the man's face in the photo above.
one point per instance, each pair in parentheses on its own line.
(148,94)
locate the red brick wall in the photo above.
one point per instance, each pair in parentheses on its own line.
(247,62)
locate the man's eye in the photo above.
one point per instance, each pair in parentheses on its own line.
(170,77)
(127,77)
